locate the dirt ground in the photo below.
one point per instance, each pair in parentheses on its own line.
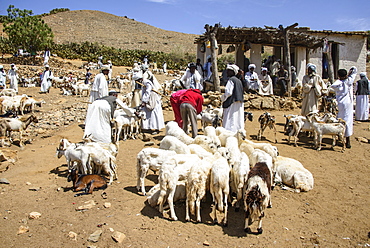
(335,213)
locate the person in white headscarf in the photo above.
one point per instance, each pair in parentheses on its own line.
(313,88)
(362,91)
(233,101)
(191,79)
(13,77)
(136,95)
(265,83)
(2,78)
(46,79)
(110,65)
(251,78)
(147,74)
(343,88)
(99,87)
(46,56)
(152,106)
(207,68)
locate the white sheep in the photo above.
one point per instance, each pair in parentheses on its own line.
(219,186)
(174,144)
(149,158)
(173,129)
(292,173)
(223,134)
(153,193)
(239,175)
(205,142)
(200,151)
(174,169)
(210,131)
(235,155)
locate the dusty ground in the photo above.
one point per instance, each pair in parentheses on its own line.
(335,213)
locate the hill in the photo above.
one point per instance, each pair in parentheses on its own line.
(116,31)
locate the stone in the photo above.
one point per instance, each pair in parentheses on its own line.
(362,139)
(4,181)
(150,143)
(88,205)
(34,215)
(107,204)
(23,229)
(206,243)
(256,103)
(94,237)
(118,237)
(72,235)
(268,103)
(8,155)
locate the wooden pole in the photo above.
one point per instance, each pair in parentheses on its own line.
(330,66)
(211,34)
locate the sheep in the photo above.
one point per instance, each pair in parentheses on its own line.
(153,193)
(18,125)
(210,131)
(219,187)
(149,158)
(174,169)
(86,183)
(292,173)
(235,155)
(196,187)
(266,120)
(210,119)
(174,144)
(239,175)
(248,147)
(103,160)
(206,143)
(222,134)
(334,129)
(257,195)
(173,129)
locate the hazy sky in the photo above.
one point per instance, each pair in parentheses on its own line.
(190,16)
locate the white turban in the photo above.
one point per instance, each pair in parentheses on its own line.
(363,74)
(263,69)
(234,68)
(251,66)
(136,76)
(312,66)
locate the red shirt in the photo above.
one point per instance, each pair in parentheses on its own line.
(194,97)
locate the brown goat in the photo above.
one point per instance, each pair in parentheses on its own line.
(86,183)
(266,120)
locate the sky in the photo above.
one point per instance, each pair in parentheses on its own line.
(190,16)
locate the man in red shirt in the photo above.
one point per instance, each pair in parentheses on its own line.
(188,104)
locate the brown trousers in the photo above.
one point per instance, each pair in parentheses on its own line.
(187,112)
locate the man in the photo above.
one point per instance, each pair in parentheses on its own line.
(99,87)
(99,116)
(46,56)
(191,78)
(274,68)
(344,94)
(188,104)
(282,79)
(164,66)
(232,101)
(46,79)
(265,83)
(2,78)
(251,77)
(110,65)
(151,104)
(87,75)
(208,69)
(100,62)
(362,98)
(200,68)
(313,88)
(13,77)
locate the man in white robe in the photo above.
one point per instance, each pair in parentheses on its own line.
(233,102)
(2,78)
(46,79)
(192,79)
(46,56)
(362,98)
(13,77)
(100,86)
(265,83)
(313,88)
(152,106)
(251,78)
(99,115)
(343,88)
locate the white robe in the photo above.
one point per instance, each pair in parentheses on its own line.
(46,57)
(97,123)
(362,108)
(311,95)
(46,81)
(192,80)
(344,98)
(3,79)
(99,87)
(265,85)
(233,116)
(13,77)
(252,80)
(154,118)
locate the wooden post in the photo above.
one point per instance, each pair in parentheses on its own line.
(211,34)
(286,48)
(330,66)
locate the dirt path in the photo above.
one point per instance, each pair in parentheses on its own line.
(334,214)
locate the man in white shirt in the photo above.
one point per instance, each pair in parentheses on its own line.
(192,79)
(99,88)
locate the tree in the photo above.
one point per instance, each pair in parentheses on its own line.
(27,31)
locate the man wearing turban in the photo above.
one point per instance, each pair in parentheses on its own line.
(313,88)
(362,98)
(233,101)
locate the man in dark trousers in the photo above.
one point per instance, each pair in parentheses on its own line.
(188,104)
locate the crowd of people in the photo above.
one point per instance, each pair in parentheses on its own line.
(187,103)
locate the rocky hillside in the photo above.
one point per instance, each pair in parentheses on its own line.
(116,31)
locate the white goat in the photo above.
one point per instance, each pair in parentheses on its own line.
(239,175)
(174,144)
(153,193)
(8,125)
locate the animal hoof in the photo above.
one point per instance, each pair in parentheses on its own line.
(269,206)
(215,222)
(259,230)
(247,230)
